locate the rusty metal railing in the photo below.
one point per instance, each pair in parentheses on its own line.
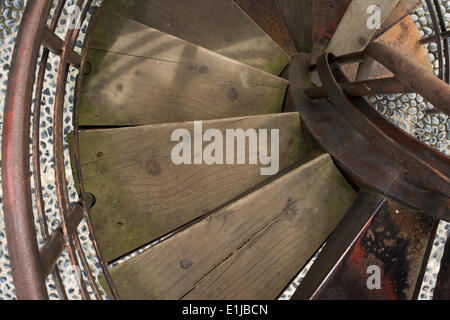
(373,153)
(431,166)
(31,265)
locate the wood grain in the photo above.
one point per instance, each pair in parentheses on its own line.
(143,76)
(299,20)
(352,34)
(217,25)
(142,195)
(249,250)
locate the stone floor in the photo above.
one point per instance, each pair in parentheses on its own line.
(407,111)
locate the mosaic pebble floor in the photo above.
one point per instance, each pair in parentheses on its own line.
(407,111)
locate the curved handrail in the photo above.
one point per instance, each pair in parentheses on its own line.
(18,210)
(26,258)
(424,82)
(40,205)
(31,265)
(408,77)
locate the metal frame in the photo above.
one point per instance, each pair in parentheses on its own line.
(362,240)
(30,265)
(419,171)
(431,166)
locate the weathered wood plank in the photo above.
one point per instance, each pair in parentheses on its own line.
(299,20)
(248,250)
(353,33)
(217,25)
(267,15)
(142,195)
(144,76)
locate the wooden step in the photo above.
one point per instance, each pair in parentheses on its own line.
(249,250)
(218,25)
(353,34)
(299,20)
(142,195)
(143,76)
(267,15)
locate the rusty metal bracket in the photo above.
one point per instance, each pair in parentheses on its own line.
(396,240)
(431,167)
(29,266)
(440,38)
(55,244)
(415,77)
(363,163)
(442,288)
(51,41)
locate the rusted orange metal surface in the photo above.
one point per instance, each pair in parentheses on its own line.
(377,170)
(386,261)
(420,80)
(403,9)
(401,36)
(371,152)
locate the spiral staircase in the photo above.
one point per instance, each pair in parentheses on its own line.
(349,181)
